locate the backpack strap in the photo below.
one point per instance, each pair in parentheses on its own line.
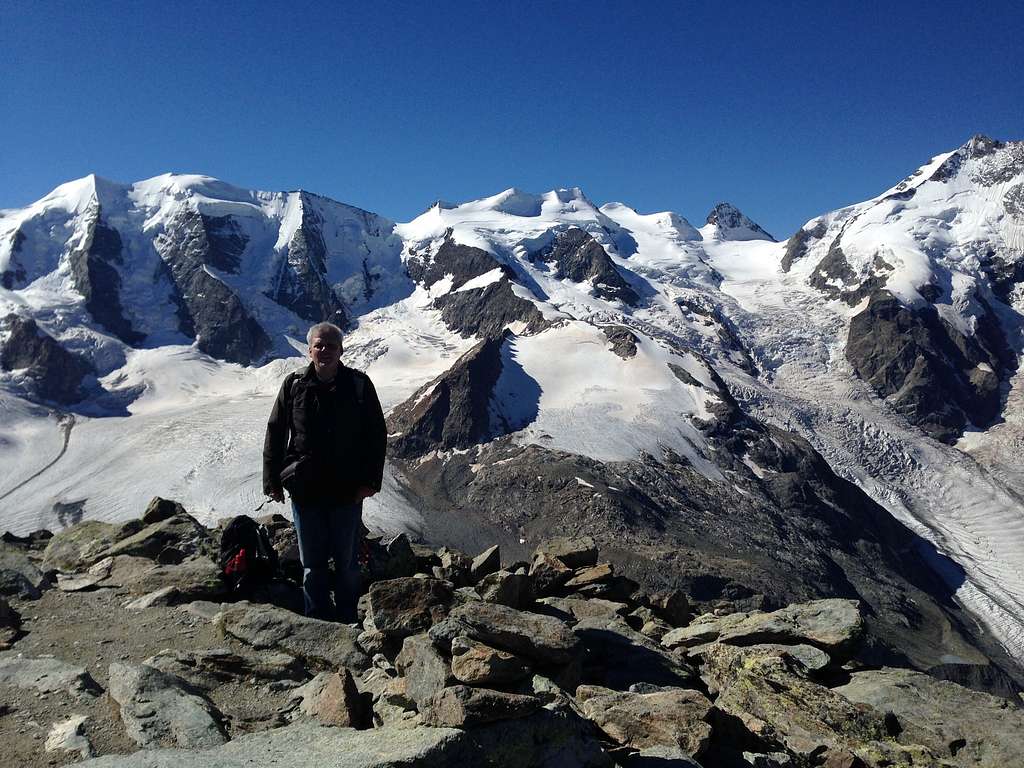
(359,385)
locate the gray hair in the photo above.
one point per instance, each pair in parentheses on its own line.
(329,330)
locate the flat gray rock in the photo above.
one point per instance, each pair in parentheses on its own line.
(308,744)
(706,628)
(832,624)
(981,730)
(542,638)
(461,706)
(46,675)
(181,532)
(580,609)
(207,669)
(546,738)
(321,644)
(79,546)
(158,711)
(672,718)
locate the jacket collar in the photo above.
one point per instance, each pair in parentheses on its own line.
(310,375)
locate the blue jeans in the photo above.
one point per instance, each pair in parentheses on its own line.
(324,531)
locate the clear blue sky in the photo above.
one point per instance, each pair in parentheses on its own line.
(785,109)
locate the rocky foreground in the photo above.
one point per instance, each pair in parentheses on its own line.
(122,648)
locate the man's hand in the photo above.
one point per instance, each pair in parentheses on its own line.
(364,492)
(276,495)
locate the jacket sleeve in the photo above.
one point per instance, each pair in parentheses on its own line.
(376,436)
(276,441)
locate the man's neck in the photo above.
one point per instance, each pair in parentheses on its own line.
(326,374)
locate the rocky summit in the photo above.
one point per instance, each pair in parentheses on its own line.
(124,648)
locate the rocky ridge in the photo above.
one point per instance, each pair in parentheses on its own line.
(130,652)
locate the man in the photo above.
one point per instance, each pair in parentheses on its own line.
(325,444)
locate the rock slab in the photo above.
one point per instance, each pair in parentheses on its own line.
(158,711)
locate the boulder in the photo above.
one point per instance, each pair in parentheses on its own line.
(619,656)
(333,699)
(834,625)
(67,736)
(595,574)
(197,578)
(19,575)
(425,670)
(973,728)
(706,628)
(161,509)
(46,675)
(208,669)
(320,644)
(455,567)
(10,625)
(543,739)
(406,606)
(81,545)
(486,563)
(392,558)
(461,706)
(180,532)
(578,609)
(91,578)
(512,589)
(391,704)
(474,663)
(655,629)
(671,717)
(549,574)
(158,711)
(763,691)
(672,606)
(573,552)
(33,542)
(540,638)
(810,658)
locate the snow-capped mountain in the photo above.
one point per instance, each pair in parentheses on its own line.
(746,417)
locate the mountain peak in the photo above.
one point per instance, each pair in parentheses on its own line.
(731,224)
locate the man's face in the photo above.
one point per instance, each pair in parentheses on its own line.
(325,352)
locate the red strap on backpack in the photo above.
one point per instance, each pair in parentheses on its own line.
(237,564)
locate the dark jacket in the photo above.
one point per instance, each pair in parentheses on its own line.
(333,433)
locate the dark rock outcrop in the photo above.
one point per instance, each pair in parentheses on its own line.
(208,310)
(15,274)
(731,222)
(936,376)
(489,310)
(835,278)
(622,339)
(301,284)
(797,245)
(56,374)
(453,410)
(461,262)
(94,271)
(577,256)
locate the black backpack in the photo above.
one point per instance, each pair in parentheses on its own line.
(247,556)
